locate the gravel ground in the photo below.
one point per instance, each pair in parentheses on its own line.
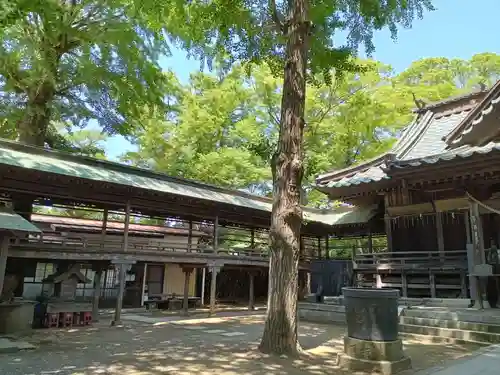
(223,346)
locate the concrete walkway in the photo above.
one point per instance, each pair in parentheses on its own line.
(485,361)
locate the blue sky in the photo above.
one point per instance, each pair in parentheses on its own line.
(457,29)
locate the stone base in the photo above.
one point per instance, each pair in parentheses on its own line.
(386,357)
(383,367)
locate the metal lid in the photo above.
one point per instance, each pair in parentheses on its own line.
(370,293)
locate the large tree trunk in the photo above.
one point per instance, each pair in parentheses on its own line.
(33,127)
(280,332)
(32,130)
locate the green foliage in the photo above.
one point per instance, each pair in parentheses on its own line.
(73,61)
(223,128)
(257,31)
(434,79)
(213,135)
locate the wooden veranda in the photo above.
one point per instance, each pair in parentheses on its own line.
(216,227)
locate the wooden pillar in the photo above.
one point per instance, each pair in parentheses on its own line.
(252,238)
(468,235)
(104,225)
(187,275)
(251,294)
(301,247)
(122,268)
(470,265)
(190,235)
(319,247)
(4,250)
(378,281)
(432,284)
(370,242)
(463,284)
(477,234)
(97,293)
(404,284)
(439,235)
(213,286)
(216,234)
(388,224)
(203,278)
(144,279)
(475,253)
(327,247)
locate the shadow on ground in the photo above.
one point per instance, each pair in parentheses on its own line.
(140,349)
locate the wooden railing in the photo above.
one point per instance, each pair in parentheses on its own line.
(68,241)
(403,259)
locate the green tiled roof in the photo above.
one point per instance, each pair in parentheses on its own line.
(422,138)
(17,155)
(10,221)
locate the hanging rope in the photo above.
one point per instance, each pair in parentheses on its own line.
(482,204)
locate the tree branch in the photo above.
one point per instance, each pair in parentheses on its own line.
(273,9)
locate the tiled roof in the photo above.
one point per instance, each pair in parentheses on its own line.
(96,225)
(12,222)
(423,138)
(461,134)
(32,158)
(463,152)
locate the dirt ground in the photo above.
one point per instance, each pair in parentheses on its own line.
(223,346)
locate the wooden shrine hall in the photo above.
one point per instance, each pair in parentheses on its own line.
(95,228)
(438,190)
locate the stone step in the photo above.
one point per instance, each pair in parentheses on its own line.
(463,315)
(458,334)
(321,313)
(432,340)
(453,324)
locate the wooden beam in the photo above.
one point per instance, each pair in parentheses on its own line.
(190,235)
(203,281)
(319,247)
(4,251)
(144,279)
(439,233)
(216,234)
(122,268)
(104,224)
(187,275)
(404,284)
(327,247)
(251,294)
(213,285)
(97,294)
(432,284)
(388,224)
(468,235)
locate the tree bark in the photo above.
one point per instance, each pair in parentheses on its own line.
(33,127)
(280,331)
